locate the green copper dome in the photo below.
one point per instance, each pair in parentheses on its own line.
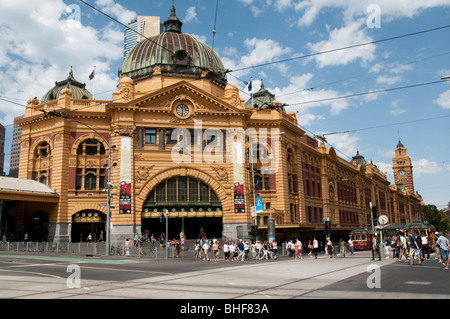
(173,53)
(78,89)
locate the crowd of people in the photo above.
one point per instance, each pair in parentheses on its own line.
(238,250)
(414,246)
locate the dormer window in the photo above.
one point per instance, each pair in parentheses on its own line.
(181,57)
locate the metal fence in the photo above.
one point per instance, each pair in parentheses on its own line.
(83,248)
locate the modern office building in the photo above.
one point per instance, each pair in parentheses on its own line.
(2,150)
(15,149)
(177,139)
(140,28)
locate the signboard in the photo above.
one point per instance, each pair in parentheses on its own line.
(125,176)
(259,205)
(383,219)
(254,212)
(238,178)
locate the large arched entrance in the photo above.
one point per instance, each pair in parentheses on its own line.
(191,204)
(88,221)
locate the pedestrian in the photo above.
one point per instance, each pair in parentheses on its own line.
(161,240)
(350,245)
(315,247)
(246,251)
(413,248)
(395,243)
(403,248)
(89,239)
(206,248)
(265,248)
(425,247)
(342,247)
(241,250)
(215,250)
(232,248)
(25,237)
(226,251)
(376,247)
(100,238)
(127,247)
(330,248)
(443,243)
(138,244)
(274,249)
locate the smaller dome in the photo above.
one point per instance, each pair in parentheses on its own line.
(78,89)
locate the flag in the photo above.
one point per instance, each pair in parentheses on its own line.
(92,75)
(250,86)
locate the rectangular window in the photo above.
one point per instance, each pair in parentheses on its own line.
(150,136)
(171,140)
(182,189)
(172,190)
(193,190)
(204,192)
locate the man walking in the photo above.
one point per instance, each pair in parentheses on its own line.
(443,246)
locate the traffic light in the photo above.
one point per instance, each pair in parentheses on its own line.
(374,213)
(161,218)
(327,227)
(254,230)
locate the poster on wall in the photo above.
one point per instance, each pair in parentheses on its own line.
(125,176)
(238,178)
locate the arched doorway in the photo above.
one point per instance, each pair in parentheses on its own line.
(88,221)
(191,204)
(38,230)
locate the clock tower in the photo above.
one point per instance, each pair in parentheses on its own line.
(402,168)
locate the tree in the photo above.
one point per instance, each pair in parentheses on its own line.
(436,217)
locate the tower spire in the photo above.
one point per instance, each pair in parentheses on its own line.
(173,24)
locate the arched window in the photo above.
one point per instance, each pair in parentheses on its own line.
(42,161)
(90,174)
(182,192)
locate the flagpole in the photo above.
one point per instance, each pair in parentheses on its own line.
(94,83)
(251,81)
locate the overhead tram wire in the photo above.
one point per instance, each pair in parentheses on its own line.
(342,48)
(386,125)
(367,93)
(215,23)
(313,87)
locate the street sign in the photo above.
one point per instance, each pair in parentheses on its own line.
(254,213)
(383,219)
(102,205)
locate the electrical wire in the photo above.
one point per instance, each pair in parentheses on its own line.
(342,48)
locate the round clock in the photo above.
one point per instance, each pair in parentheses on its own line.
(182,110)
(401,173)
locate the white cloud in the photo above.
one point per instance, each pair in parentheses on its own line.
(348,35)
(191,15)
(444,100)
(39,45)
(425,167)
(387,79)
(116,10)
(344,144)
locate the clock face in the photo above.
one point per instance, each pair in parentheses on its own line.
(401,173)
(182,110)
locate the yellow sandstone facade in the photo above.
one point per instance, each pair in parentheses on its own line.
(177,137)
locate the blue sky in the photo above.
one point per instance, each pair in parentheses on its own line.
(41,41)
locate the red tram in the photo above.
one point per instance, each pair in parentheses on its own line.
(360,239)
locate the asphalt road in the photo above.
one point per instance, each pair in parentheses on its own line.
(36,276)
